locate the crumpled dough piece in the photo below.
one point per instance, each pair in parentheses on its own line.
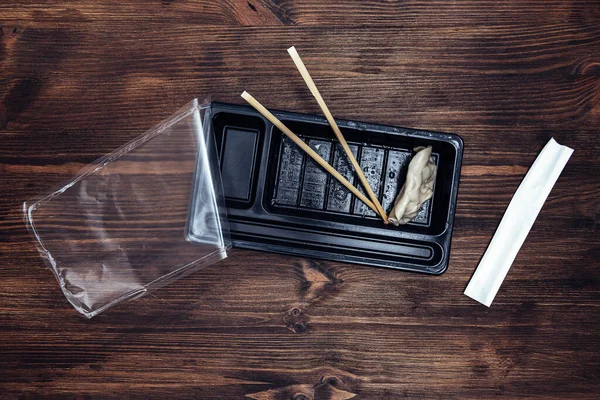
(417,189)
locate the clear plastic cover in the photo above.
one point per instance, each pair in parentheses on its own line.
(120,227)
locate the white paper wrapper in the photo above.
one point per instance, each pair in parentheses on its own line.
(517,222)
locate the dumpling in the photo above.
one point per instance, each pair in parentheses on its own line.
(417,189)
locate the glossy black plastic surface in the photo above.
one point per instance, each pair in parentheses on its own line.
(280,200)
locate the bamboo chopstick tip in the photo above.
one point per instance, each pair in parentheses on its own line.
(292,50)
(245,95)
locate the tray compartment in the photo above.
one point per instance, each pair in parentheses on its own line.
(314,178)
(383,161)
(239,139)
(339,198)
(371,161)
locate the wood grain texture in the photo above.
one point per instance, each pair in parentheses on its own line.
(79,79)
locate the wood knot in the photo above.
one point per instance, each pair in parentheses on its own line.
(317,281)
(320,383)
(332,380)
(296,320)
(300,396)
(9,32)
(586,67)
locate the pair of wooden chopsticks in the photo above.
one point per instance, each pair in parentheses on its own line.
(374,202)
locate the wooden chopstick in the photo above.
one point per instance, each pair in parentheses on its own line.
(313,89)
(267,114)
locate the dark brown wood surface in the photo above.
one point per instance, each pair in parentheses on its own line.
(78,79)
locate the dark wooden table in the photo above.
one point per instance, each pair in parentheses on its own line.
(79,79)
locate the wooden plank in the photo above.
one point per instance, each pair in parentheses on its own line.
(304,12)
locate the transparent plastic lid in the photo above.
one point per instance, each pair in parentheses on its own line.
(120,228)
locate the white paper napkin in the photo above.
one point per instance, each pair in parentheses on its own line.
(517,222)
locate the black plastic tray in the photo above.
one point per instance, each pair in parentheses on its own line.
(280,200)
